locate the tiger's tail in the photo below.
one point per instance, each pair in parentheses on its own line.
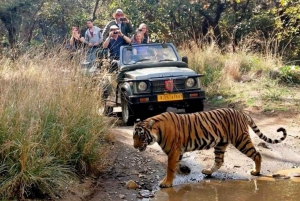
(262,136)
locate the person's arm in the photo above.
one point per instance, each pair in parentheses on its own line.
(148,39)
(126,38)
(72,41)
(107,40)
(101,38)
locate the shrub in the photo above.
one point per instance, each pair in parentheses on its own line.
(290,74)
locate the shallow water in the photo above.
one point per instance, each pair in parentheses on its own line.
(261,189)
(232,190)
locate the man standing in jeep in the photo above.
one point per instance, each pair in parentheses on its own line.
(121,21)
(93,38)
(113,42)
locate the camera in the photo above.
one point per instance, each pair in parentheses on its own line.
(122,19)
(115,32)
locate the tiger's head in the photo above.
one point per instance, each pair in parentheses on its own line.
(142,136)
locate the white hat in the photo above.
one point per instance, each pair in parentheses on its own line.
(119,11)
(113,27)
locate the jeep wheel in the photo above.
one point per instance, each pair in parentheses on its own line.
(195,106)
(127,112)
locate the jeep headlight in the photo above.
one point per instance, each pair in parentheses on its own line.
(190,82)
(142,86)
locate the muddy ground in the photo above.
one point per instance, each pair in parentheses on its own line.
(147,168)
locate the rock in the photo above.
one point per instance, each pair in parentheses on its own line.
(121,196)
(131,185)
(146,193)
(246,78)
(274,74)
(264,145)
(295,174)
(278,175)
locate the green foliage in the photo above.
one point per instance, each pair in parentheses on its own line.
(290,74)
(288,28)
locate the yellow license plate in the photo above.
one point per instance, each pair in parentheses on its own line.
(169,97)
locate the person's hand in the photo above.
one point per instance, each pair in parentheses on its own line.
(126,20)
(82,39)
(120,33)
(111,33)
(90,45)
(75,34)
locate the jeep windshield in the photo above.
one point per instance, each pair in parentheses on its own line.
(153,52)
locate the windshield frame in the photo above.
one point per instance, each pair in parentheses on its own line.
(155,46)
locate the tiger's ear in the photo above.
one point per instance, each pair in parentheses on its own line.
(150,123)
(136,121)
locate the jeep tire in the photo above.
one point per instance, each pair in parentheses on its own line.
(128,112)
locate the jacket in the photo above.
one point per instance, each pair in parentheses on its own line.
(126,28)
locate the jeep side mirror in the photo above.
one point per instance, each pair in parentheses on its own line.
(185,59)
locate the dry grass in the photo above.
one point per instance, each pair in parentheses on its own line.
(225,72)
(50,129)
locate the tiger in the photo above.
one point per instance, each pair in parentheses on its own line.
(180,133)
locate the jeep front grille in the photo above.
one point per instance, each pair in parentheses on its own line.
(159,85)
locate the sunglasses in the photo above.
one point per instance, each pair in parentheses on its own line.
(119,15)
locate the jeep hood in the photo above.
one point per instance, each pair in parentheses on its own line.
(157,72)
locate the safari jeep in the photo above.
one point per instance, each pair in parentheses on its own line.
(151,79)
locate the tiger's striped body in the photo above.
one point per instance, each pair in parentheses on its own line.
(180,133)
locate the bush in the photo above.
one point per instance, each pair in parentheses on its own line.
(290,74)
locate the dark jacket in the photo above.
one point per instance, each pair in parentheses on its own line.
(126,28)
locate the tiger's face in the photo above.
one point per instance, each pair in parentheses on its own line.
(141,137)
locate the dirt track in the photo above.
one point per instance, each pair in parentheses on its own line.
(149,167)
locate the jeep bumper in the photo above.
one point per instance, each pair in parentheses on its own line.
(187,96)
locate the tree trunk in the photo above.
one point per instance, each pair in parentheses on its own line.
(10,27)
(28,22)
(95,9)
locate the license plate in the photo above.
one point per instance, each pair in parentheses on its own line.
(169,97)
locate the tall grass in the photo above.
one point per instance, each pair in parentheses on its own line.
(242,76)
(50,130)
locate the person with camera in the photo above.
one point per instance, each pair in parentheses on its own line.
(93,39)
(76,40)
(76,43)
(113,42)
(121,22)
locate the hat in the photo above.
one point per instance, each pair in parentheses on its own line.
(119,11)
(113,27)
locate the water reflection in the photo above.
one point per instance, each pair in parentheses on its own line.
(239,190)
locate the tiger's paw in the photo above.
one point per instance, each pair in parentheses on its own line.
(183,169)
(164,184)
(207,171)
(254,172)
